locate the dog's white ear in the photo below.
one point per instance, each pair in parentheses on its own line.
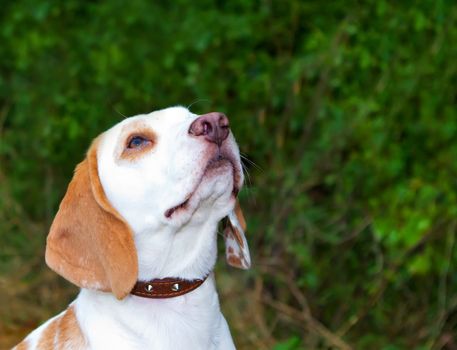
(89,243)
(236,246)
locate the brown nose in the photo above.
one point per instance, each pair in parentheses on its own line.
(214,127)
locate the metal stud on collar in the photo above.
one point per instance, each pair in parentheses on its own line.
(148,288)
(175,287)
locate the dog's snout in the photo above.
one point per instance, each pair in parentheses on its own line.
(214,127)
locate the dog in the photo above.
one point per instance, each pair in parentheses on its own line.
(137,232)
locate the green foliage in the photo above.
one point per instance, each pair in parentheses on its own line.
(347,108)
(289,344)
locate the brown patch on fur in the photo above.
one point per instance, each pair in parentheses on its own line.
(47,339)
(234,260)
(135,153)
(237,234)
(234,231)
(62,333)
(129,131)
(23,345)
(70,333)
(89,243)
(239,215)
(236,251)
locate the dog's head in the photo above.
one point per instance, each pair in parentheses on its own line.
(146,202)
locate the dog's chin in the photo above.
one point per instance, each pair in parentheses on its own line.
(214,194)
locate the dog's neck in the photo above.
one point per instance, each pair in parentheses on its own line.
(189,252)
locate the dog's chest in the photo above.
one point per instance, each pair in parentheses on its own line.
(193,321)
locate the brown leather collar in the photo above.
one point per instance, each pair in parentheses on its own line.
(165,287)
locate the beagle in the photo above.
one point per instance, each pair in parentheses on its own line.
(137,232)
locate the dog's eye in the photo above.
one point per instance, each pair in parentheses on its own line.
(137,142)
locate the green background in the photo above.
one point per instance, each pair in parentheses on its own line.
(345,109)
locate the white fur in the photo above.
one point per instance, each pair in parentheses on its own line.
(182,246)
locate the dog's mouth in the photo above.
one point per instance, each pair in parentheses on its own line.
(213,164)
(182,206)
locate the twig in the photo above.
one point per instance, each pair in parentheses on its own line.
(305,314)
(310,324)
(442,289)
(259,315)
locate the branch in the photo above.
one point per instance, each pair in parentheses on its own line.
(311,324)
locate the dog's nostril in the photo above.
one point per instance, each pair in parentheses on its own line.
(207,128)
(223,122)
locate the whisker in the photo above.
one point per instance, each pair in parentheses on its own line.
(244,157)
(246,172)
(125,117)
(197,101)
(248,189)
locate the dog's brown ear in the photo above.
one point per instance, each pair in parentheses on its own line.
(236,246)
(89,243)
